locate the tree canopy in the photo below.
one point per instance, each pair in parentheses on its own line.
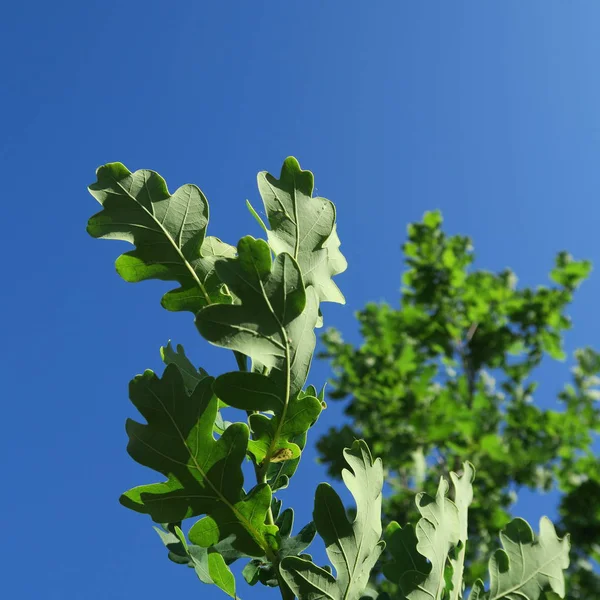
(450,375)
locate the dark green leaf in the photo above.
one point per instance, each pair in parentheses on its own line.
(203,474)
(248,391)
(191,375)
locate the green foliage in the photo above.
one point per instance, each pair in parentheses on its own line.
(209,564)
(261,299)
(426,561)
(204,474)
(525,567)
(304,227)
(448,376)
(421,569)
(264,309)
(169,233)
(353,548)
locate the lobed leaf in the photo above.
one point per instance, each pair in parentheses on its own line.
(279,474)
(272,297)
(204,475)
(428,559)
(169,232)
(463,497)
(526,566)
(353,548)
(274,437)
(274,325)
(191,375)
(304,227)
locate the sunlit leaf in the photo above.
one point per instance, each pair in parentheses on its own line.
(353,547)
(169,232)
(304,227)
(204,475)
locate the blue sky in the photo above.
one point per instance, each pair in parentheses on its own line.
(486,110)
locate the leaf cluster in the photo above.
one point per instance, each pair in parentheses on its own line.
(262,300)
(449,376)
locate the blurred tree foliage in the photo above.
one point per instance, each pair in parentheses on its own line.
(449,376)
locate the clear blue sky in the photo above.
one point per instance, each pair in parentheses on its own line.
(489,111)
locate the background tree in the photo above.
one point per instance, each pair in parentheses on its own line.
(448,376)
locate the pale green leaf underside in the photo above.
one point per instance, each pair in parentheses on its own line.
(428,560)
(353,548)
(273,325)
(272,297)
(528,565)
(304,227)
(421,554)
(169,232)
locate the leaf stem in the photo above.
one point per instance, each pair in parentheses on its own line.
(286,592)
(242,361)
(286,401)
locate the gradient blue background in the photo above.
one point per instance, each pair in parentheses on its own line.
(487,110)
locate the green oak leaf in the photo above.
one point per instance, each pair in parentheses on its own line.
(177,550)
(527,565)
(245,520)
(191,376)
(428,561)
(275,321)
(265,572)
(353,548)
(279,473)
(463,497)
(303,226)
(274,325)
(177,554)
(169,232)
(438,532)
(204,475)
(272,436)
(248,391)
(310,582)
(275,437)
(477,591)
(401,544)
(209,565)
(294,545)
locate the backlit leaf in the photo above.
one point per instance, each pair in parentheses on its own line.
(169,232)
(204,475)
(528,565)
(304,227)
(352,547)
